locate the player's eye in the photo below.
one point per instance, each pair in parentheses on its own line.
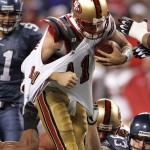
(8,13)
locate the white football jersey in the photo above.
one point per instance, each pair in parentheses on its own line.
(82,62)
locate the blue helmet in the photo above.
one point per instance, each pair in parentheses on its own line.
(140,129)
(13,8)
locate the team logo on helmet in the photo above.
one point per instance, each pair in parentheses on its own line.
(77,7)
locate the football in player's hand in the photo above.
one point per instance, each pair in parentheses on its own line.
(105,46)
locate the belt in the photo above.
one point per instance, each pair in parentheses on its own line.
(5,104)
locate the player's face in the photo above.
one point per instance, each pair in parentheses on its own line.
(7,19)
(102,134)
(140,145)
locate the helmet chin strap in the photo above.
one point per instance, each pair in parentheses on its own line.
(90,36)
(97,21)
(101,26)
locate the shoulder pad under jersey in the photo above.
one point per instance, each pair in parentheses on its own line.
(60,28)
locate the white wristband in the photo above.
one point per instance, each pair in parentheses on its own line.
(127,50)
(138,30)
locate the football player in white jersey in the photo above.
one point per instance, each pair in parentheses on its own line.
(67,98)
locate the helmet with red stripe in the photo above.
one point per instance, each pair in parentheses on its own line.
(91,16)
(109,119)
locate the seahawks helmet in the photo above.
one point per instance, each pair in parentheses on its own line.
(140,130)
(13,9)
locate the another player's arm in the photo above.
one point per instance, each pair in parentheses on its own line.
(137,30)
(29,138)
(146,40)
(28,141)
(92,139)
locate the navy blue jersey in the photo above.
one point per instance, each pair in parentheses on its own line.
(115,142)
(14,48)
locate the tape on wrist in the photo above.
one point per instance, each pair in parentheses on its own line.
(127,50)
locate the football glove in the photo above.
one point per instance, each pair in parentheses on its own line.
(125,25)
(141,51)
(30,116)
(132,28)
(93,119)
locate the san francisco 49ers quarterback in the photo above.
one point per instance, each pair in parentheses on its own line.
(67,82)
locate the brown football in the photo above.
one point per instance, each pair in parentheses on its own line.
(105,46)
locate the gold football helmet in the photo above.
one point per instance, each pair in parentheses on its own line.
(109,118)
(109,115)
(91,16)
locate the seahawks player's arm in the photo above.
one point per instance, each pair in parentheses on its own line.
(28,141)
(126,47)
(146,40)
(134,29)
(29,138)
(92,141)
